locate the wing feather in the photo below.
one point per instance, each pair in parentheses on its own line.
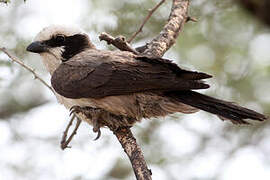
(100,76)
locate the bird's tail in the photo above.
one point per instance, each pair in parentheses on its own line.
(225,110)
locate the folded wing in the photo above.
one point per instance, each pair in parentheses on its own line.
(96,77)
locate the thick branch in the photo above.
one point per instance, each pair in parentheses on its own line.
(134,152)
(167,37)
(119,42)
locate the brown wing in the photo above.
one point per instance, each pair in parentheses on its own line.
(96,78)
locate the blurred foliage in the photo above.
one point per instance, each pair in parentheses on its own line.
(7,1)
(11,86)
(221,44)
(258,8)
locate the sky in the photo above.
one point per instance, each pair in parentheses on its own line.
(93,158)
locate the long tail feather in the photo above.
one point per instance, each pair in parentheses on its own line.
(225,110)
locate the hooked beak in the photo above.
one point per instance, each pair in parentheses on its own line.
(37,47)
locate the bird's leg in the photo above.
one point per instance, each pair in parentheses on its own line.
(100,118)
(94,114)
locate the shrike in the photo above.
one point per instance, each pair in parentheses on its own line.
(118,88)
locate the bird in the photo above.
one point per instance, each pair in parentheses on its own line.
(119,88)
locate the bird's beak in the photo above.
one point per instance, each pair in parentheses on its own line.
(37,47)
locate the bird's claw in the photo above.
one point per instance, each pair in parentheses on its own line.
(91,113)
(98,134)
(74,109)
(96,129)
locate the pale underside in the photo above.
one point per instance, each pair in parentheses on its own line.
(137,105)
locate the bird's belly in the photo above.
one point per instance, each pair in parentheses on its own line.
(125,105)
(138,105)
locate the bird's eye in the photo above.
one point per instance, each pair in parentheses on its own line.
(60,38)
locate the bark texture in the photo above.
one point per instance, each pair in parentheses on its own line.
(167,37)
(134,152)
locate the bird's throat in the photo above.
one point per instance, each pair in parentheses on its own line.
(50,61)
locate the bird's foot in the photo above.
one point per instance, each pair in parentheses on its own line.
(94,114)
(75,109)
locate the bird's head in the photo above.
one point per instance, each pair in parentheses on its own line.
(58,43)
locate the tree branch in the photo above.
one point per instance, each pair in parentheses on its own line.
(65,141)
(134,152)
(119,42)
(18,61)
(167,37)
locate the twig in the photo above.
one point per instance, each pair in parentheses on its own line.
(119,42)
(18,61)
(134,152)
(64,142)
(193,19)
(151,11)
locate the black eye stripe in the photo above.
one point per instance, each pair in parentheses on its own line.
(72,44)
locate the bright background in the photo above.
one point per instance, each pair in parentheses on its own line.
(226,42)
